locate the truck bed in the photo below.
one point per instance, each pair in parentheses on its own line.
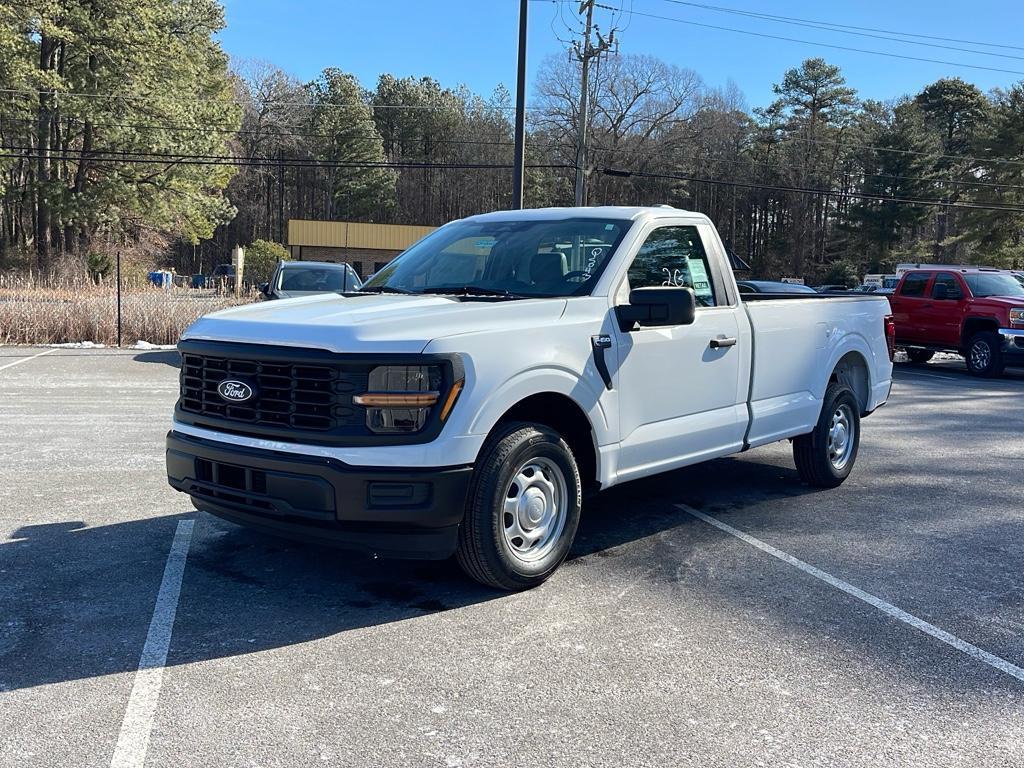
(797,337)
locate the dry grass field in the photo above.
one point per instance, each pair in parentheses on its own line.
(61,310)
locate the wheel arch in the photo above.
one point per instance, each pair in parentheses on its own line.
(564,415)
(852,370)
(976,324)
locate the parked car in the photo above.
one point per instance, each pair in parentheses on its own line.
(977,312)
(772,286)
(223,271)
(465,400)
(292,279)
(831,288)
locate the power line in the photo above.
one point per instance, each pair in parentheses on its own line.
(824,45)
(849,172)
(811,191)
(844,26)
(309,104)
(270,132)
(847,30)
(156,158)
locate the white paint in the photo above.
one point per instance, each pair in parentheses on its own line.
(133,741)
(887,608)
(928,376)
(25,359)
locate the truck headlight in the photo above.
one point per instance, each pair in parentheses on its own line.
(400,397)
(1017,317)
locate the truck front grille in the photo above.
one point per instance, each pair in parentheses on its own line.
(296,396)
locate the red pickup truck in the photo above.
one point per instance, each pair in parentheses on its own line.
(978,313)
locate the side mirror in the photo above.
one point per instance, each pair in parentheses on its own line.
(658,306)
(265,289)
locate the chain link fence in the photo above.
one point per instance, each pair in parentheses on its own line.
(58,310)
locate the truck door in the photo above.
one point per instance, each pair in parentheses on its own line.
(940,316)
(681,399)
(907,304)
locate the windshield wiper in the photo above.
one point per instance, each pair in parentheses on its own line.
(473,290)
(385,289)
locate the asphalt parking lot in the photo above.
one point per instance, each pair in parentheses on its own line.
(663,641)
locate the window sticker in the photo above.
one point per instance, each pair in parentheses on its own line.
(699,276)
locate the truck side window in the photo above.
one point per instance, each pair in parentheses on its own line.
(674,256)
(914,284)
(952,286)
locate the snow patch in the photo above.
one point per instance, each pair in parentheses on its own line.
(146,345)
(78,345)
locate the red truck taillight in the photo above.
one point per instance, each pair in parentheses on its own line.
(890,336)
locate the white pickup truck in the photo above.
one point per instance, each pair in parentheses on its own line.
(470,395)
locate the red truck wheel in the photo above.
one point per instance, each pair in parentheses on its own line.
(984,356)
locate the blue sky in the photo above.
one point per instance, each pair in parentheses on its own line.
(473,42)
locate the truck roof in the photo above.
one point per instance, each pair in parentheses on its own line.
(623,212)
(962,270)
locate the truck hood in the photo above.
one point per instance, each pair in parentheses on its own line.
(1008,302)
(370,323)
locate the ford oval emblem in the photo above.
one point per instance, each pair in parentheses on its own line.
(235,391)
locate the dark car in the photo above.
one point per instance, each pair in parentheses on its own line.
(772,286)
(831,289)
(305,278)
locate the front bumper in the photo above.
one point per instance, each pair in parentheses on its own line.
(407,513)
(1013,345)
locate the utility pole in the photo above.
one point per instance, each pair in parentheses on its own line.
(519,161)
(585,51)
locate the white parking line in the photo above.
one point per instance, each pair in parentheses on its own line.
(133,740)
(26,359)
(932,376)
(888,608)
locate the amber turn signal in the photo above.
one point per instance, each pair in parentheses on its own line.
(450,400)
(397,399)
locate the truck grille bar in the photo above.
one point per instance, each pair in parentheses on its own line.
(300,396)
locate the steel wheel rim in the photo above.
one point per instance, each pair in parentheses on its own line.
(981,355)
(534,509)
(841,437)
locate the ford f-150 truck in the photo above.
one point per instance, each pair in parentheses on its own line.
(468,398)
(977,312)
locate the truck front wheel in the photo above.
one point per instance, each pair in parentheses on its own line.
(523,508)
(825,457)
(984,356)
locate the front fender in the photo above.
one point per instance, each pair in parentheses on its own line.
(583,391)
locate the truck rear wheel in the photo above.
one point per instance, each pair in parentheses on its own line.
(919,355)
(825,457)
(523,508)
(984,356)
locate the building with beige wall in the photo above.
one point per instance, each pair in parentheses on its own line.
(367,247)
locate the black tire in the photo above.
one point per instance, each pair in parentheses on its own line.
(920,356)
(485,551)
(984,355)
(813,452)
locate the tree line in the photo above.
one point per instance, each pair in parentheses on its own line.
(124,126)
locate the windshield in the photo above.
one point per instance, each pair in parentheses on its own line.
(994,284)
(306,278)
(528,258)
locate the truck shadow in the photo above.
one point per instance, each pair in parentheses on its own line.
(169,357)
(77,601)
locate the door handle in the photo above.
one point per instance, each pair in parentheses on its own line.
(722,341)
